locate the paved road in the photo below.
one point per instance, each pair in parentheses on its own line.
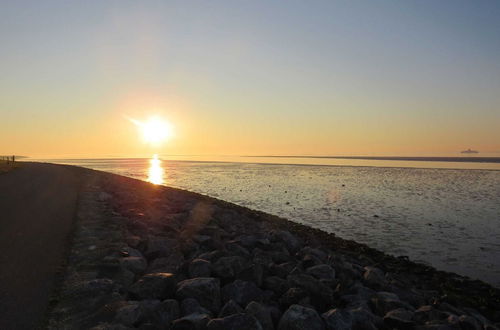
(37,206)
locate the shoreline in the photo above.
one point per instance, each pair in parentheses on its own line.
(135,213)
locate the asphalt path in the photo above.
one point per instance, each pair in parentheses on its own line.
(37,208)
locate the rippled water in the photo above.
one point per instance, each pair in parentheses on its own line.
(444,217)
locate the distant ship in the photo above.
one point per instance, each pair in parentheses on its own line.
(469,151)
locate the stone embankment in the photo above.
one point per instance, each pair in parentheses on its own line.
(152,257)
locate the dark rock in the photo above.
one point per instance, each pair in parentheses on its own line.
(192,306)
(170,311)
(108,326)
(363,318)
(399,318)
(242,292)
(206,290)
(291,242)
(136,265)
(374,277)
(212,256)
(228,267)
(237,249)
(337,319)
(130,314)
(300,318)
(261,313)
(276,284)
(309,261)
(191,322)
(199,268)
(427,313)
(160,247)
(235,322)
(385,302)
(230,308)
(469,323)
(282,270)
(168,264)
(253,273)
(294,296)
(154,286)
(261,257)
(321,294)
(315,252)
(321,272)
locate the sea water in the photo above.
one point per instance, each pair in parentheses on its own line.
(447,218)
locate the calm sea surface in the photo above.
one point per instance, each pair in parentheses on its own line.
(448,218)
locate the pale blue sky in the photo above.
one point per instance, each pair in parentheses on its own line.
(252,77)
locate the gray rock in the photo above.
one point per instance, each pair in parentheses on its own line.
(154,286)
(374,277)
(131,252)
(206,290)
(192,306)
(227,267)
(337,319)
(235,322)
(321,272)
(399,318)
(136,265)
(199,268)
(191,322)
(129,315)
(300,318)
(242,292)
(230,308)
(261,313)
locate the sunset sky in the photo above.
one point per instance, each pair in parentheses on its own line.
(250,77)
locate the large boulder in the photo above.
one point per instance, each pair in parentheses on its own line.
(168,264)
(235,322)
(227,267)
(321,272)
(291,242)
(206,290)
(261,313)
(337,319)
(160,247)
(154,286)
(301,318)
(374,277)
(399,318)
(320,293)
(191,322)
(230,308)
(199,268)
(136,265)
(242,292)
(192,306)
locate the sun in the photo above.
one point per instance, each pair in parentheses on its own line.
(155,130)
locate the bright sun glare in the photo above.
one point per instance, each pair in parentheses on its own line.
(155,130)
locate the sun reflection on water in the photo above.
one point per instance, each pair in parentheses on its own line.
(155,171)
